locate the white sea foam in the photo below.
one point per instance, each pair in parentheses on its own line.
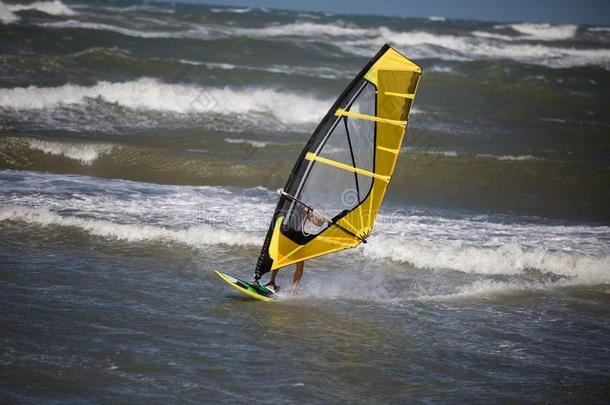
(306,29)
(491,288)
(544,32)
(441,69)
(136,212)
(6,14)
(124,202)
(505,259)
(321,71)
(417,44)
(517,158)
(436,18)
(54,7)
(231,10)
(450,47)
(199,236)
(200,32)
(531,32)
(491,35)
(150,94)
(599,29)
(448,153)
(452,153)
(256,144)
(410,149)
(84,153)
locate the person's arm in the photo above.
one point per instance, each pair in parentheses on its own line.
(315,218)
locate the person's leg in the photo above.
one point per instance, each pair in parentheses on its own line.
(298,273)
(271,284)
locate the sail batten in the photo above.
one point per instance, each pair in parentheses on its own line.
(342,166)
(342,113)
(337,185)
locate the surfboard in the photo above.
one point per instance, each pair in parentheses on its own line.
(258,292)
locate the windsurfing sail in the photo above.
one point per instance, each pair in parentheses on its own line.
(336,187)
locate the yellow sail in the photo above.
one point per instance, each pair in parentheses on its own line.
(338,183)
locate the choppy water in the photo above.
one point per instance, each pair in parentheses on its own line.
(140,147)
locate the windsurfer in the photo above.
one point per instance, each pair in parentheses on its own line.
(317,220)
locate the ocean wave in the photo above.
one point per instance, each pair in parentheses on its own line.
(452,153)
(441,69)
(54,7)
(491,35)
(6,14)
(84,153)
(160,8)
(256,144)
(544,31)
(199,236)
(463,48)
(513,157)
(318,72)
(135,211)
(212,31)
(232,10)
(363,41)
(487,288)
(506,259)
(150,94)
(306,29)
(199,32)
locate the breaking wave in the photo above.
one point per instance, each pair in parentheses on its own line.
(84,153)
(150,94)
(6,14)
(464,48)
(201,235)
(231,10)
(479,246)
(505,259)
(362,41)
(544,32)
(199,32)
(54,7)
(256,144)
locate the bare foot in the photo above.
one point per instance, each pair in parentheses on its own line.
(271,287)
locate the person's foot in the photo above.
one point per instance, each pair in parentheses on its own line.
(271,286)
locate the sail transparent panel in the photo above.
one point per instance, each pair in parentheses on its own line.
(362,137)
(332,191)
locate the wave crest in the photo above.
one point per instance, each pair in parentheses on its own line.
(150,94)
(201,235)
(54,7)
(544,32)
(84,153)
(505,259)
